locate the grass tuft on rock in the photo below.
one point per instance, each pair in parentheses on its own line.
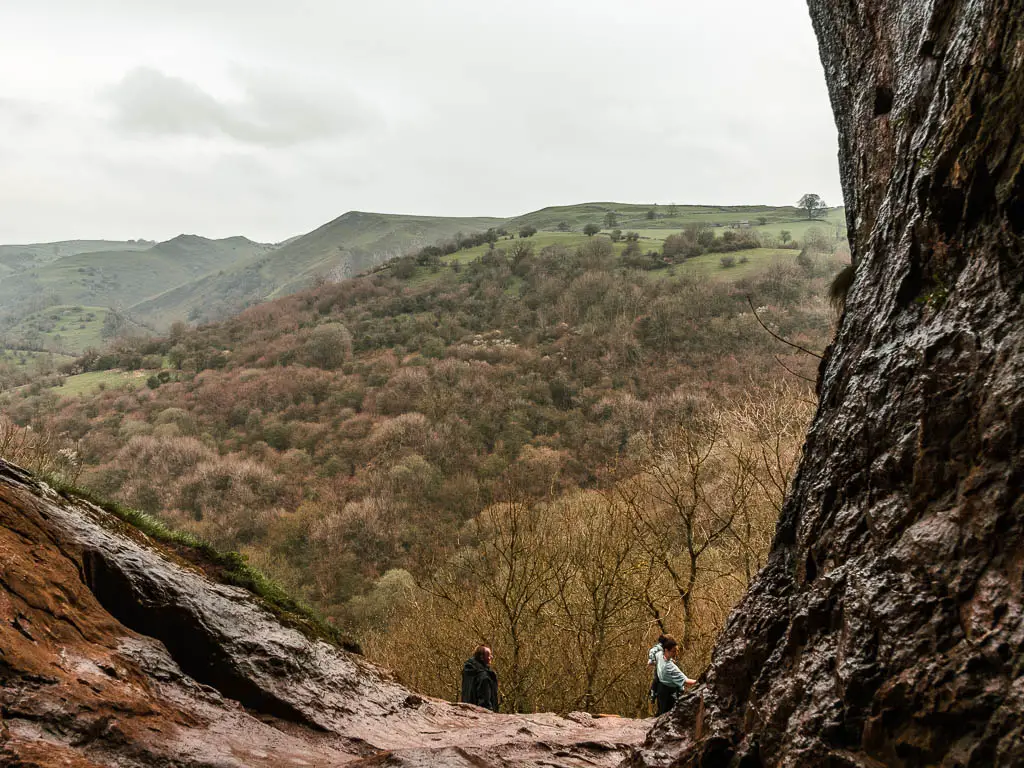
(226,567)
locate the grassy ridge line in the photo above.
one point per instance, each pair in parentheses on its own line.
(362,240)
(196,279)
(225,567)
(635,216)
(29,255)
(125,277)
(356,240)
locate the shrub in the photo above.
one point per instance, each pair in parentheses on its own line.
(328,346)
(805,262)
(728,261)
(403,269)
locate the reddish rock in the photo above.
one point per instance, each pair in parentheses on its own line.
(114,651)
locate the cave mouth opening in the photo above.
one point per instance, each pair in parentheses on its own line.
(189,642)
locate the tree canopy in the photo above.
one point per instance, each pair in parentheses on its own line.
(812,204)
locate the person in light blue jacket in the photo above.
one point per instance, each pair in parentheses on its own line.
(652,661)
(669,678)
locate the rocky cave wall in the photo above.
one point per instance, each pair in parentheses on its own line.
(887,628)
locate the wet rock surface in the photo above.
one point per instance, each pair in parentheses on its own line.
(888,627)
(113,651)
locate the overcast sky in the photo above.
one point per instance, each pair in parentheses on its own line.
(147,118)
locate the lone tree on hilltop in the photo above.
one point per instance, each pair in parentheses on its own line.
(591,229)
(812,204)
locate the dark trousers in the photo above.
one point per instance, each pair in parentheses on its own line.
(666,696)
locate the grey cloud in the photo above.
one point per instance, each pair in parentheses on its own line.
(269,117)
(19,113)
(271,112)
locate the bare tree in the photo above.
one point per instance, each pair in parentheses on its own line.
(683,501)
(501,587)
(40,450)
(599,606)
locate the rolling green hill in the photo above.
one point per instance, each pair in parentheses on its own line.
(345,247)
(14,258)
(362,240)
(670,217)
(194,279)
(119,277)
(123,278)
(62,297)
(652,234)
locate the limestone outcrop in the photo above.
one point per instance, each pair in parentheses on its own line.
(117,651)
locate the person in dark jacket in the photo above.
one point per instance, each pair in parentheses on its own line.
(479,681)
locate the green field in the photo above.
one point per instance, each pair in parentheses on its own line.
(636,217)
(538,241)
(23,359)
(797,228)
(88,383)
(745,264)
(653,239)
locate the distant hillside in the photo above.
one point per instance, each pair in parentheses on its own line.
(120,277)
(350,244)
(639,216)
(68,330)
(14,258)
(194,279)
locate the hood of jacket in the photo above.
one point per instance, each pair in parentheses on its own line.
(654,653)
(473,666)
